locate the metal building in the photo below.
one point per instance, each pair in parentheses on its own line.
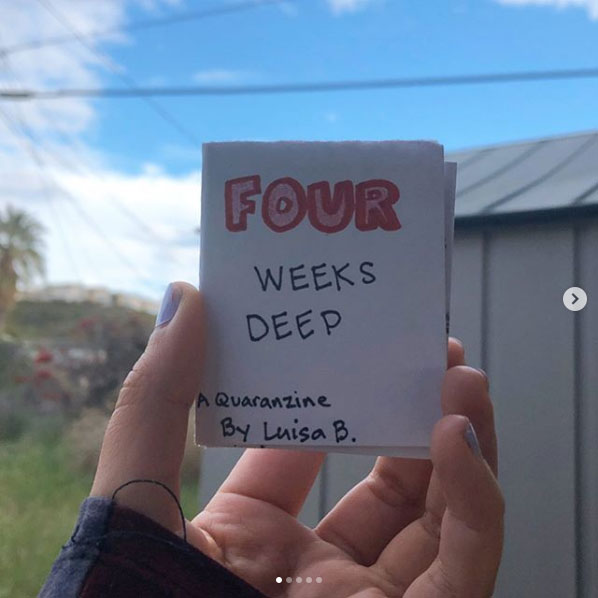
(526,230)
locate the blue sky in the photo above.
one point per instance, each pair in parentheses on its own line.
(118,189)
(309,42)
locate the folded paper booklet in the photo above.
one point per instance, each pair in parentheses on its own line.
(325,271)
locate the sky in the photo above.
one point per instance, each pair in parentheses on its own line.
(117,182)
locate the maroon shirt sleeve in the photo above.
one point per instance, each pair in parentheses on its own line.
(117,552)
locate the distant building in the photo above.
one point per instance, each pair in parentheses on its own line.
(72,293)
(75,293)
(135,302)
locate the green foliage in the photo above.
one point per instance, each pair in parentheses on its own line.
(21,257)
(34,320)
(12,425)
(9,354)
(39,503)
(71,355)
(20,244)
(47,461)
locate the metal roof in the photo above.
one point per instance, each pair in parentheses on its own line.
(533,180)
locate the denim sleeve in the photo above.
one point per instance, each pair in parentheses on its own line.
(117,552)
(77,556)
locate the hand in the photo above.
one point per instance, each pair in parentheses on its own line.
(412,528)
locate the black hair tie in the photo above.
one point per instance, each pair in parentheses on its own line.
(172,494)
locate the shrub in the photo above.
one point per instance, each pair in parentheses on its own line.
(12,425)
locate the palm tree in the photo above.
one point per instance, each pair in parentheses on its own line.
(20,255)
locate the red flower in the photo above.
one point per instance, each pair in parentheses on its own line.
(43,375)
(43,356)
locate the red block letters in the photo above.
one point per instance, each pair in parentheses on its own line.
(285,204)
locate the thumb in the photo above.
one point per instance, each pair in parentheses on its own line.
(471,534)
(145,438)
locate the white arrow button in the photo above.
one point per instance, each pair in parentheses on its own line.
(575,299)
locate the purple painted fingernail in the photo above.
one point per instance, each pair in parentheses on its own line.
(170,303)
(472,440)
(486,378)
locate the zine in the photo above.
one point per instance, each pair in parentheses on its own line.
(325,271)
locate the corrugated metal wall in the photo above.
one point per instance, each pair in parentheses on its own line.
(542,361)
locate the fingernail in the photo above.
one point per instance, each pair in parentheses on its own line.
(170,303)
(485,378)
(472,440)
(458,341)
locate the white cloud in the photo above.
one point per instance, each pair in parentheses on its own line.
(133,233)
(86,233)
(341,6)
(217,75)
(67,65)
(590,5)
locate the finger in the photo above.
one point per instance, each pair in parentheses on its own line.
(385,502)
(456,353)
(275,465)
(373,512)
(464,392)
(471,536)
(278,477)
(145,438)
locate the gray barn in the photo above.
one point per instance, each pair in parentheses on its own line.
(526,230)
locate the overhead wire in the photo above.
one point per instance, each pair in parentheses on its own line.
(46,194)
(171,19)
(82,168)
(44,188)
(51,183)
(44,177)
(128,81)
(149,234)
(69,165)
(147,93)
(309,87)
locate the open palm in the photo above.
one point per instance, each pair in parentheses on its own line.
(412,528)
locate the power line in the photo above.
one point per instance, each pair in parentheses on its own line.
(47,195)
(181,17)
(85,169)
(50,183)
(44,187)
(194,90)
(128,81)
(45,190)
(68,165)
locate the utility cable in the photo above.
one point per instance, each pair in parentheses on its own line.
(47,195)
(69,165)
(172,19)
(324,86)
(51,183)
(44,188)
(128,81)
